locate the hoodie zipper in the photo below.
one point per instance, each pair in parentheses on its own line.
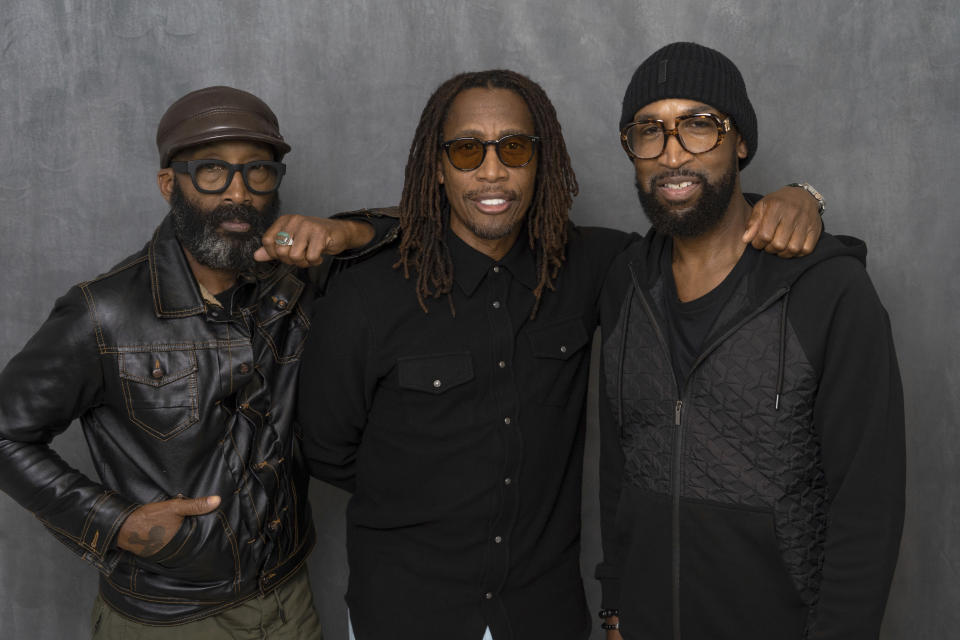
(676,476)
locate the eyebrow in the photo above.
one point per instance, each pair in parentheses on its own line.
(700,108)
(475,133)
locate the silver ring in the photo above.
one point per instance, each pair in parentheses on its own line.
(283,239)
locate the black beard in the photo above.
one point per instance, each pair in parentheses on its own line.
(198,231)
(705,214)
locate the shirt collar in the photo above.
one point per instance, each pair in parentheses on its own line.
(471,266)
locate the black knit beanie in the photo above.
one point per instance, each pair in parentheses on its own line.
(691,71)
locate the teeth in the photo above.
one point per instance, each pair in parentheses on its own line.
(493,202)
(678,185)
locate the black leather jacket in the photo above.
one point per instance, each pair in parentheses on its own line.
(175,396)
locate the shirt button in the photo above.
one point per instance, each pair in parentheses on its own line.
(496,269)
(488,595)
(507,420)
(244,368)
(157,373)
(496,304)
(507,481)
(502,364)
(563,348)
(437,384)
(498,539)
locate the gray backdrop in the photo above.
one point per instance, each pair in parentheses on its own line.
(858,97)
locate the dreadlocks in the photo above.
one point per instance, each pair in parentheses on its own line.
(424,209)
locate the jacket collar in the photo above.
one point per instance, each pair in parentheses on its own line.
(176,292)
(470,266)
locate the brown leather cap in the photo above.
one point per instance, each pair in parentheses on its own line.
(215,114)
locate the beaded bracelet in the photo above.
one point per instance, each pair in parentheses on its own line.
(609,613)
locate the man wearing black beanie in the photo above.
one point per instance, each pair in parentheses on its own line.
(752,433)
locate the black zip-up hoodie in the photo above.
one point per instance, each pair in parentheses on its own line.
(764,497)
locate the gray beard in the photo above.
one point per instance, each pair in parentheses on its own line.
(705,214)
(198,231)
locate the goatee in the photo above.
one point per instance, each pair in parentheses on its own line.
(706,213)
(199,231)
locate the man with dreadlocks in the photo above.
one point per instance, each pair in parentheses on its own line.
(455,412)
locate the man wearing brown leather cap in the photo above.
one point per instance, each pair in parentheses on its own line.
(180,363)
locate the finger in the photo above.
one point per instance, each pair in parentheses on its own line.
(317,240)
(314,255)
(281,245)
(781,239)
(296,252)
(766,232)
(195,506)
(810,242)
(753,224)
(795,246)
(286,227)
(269,238)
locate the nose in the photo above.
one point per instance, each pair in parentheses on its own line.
(491,169)
(674,155)
(237,191)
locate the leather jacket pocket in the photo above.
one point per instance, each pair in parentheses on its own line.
(559,348)
(160,390)
(202,550)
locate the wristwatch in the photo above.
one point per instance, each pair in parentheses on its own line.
(806,186)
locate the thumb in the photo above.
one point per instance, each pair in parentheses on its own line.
(261,255)
(196,506)
(753,224)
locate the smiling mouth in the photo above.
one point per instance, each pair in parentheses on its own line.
(492,205)
(677,188)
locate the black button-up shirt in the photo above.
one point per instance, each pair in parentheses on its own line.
(461,435)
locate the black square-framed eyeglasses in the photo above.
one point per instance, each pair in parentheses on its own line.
(696,133)
(211,175)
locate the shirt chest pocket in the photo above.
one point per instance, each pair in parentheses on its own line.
(160,391)
(558,350)
(434,387)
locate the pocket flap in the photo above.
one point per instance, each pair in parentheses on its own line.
(559,340)
(157,369)
(435,373)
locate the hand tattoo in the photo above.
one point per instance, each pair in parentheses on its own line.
(152,544)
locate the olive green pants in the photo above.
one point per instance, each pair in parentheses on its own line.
(286,613)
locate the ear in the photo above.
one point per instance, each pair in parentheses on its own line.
(165,178)
(741,147)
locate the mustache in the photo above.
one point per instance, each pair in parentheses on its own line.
(677,173)
(477,193)
(239,212)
